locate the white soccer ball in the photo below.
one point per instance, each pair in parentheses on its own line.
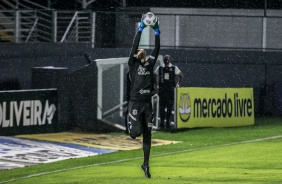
(149,19)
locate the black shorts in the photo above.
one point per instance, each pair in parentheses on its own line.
(140,118)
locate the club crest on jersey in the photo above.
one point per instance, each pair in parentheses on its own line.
(134,111)
(143,71)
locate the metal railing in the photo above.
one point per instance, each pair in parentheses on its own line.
(18,26)
(27,21)
(20,4)
(73,26)
(230,29)
(46,26)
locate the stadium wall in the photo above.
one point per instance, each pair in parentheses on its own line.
(202,68)
(17,60)
(206,28)
(256,69)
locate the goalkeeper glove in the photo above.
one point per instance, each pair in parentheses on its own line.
(156,27)
(141,25)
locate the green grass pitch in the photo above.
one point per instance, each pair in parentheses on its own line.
(251,154)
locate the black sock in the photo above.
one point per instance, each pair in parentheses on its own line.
(146,147)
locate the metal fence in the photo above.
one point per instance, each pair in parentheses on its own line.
(73,26)
(188,28)
(21,26)
(18,26)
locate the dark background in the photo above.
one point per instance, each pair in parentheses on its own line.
(110,4)
(203,67)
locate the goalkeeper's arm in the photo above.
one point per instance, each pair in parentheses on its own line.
(155,52)
(136,41)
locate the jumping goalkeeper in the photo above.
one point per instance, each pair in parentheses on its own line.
(140,112)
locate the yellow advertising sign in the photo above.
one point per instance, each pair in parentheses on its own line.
(214,107)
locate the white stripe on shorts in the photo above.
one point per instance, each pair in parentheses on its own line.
(132,117)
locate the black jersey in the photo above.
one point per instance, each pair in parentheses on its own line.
(166,79)
(142,75)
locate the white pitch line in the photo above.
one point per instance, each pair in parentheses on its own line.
(130,159)
(221,145)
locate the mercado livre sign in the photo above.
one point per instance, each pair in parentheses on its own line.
(214,107)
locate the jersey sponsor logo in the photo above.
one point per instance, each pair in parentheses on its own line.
(142,91)
(143,71)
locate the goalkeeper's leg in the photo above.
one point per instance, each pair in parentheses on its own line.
(147,136)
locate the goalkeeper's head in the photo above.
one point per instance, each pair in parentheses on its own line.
(141,55)
(167,60)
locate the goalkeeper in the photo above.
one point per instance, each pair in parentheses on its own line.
(140,112)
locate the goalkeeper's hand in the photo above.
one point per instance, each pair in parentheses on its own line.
(141,25)
(156,27)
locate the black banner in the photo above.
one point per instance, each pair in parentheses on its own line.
(28,111)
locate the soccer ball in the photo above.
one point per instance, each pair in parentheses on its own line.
(149,19)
